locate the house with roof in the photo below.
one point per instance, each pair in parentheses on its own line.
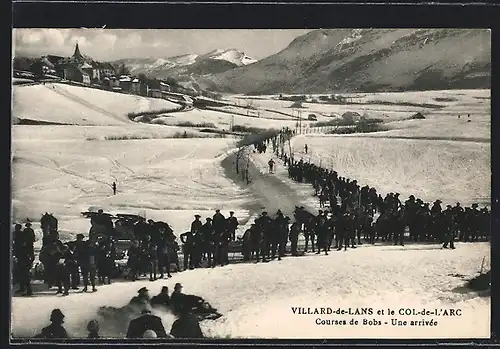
(74,73)
(125,82)
(106,69)
(135,86)
(164,87)
(91,70)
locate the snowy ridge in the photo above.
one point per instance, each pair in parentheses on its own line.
(232,55)
(183,60)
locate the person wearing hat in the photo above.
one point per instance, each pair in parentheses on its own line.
(271,163)
(342,236)
(55,330)
(458,221)
(294,237)
(474,222)
(24,256)
(86,253)
(133,263)
(284,232)
(72,265)
(278,234)
(29,238)
(177,297)
(142,297)
(137,327)
(93,328)
(266,226)
(411,208)
(448,227)
(206,242)
(219,224)
(397,202)
(196,224)
(162,299)
(188,249)
(186,325)
(321,231)
(232,224)
(246,245)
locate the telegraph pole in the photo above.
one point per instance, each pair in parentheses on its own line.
(299,114)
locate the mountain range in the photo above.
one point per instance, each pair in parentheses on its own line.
(188,65)
(368,60)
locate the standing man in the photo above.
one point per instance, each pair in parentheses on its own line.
(305,148)
(219,224)
(187,240)
(86,255)
(322,233)
(24,253)
(294,237)
(208,247)
(232,225)
(271,166)
(114,188)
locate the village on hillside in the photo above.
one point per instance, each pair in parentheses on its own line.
(83,70)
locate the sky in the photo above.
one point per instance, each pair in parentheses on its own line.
(113,44)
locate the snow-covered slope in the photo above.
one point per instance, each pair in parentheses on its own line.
(67,104)
(169,179)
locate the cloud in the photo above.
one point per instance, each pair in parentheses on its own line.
(107,40)
(34,39)
(55,37)
(133,40)
(81,40)
(30,37)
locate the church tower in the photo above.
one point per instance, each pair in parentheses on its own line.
(77,55)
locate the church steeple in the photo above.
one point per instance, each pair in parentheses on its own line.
(77,53)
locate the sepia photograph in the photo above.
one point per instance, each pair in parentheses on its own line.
(250,183)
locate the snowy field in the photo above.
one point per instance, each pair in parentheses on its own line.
(169,179)
(132,131)
(475,102)
(76,105)
(429,169)
(67,169)
(256,300)
(223,120)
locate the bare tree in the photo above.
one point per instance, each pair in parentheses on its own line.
(239,156)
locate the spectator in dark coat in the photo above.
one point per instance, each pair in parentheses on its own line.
(232,225)
(162,299)
(145,322)
(55,329)
(186,325)
(93,328)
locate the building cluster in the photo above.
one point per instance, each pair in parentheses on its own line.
(83,69)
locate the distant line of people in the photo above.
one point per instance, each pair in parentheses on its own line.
(425,223)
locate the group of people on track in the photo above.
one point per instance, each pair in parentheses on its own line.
(145,324)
